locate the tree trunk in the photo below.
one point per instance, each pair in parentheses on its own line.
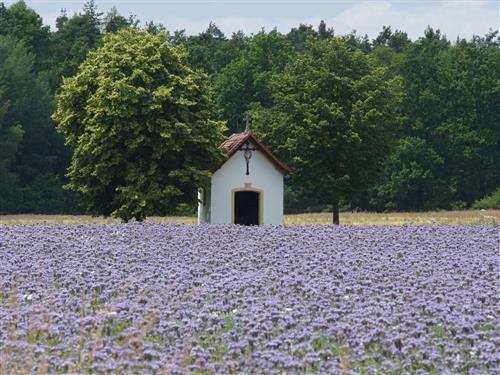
(336,219)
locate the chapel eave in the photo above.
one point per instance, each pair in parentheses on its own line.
(237,140)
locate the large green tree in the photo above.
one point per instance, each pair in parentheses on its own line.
(334,118)
(141,124)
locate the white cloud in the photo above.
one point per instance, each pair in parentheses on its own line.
(453,18)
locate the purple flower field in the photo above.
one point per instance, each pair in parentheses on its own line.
(176,299)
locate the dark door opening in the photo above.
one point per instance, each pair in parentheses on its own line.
(246,208)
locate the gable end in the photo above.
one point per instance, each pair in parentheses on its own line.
(235,141)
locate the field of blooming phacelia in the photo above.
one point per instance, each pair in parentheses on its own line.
(146,298)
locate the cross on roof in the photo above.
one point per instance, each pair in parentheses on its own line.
(247,124)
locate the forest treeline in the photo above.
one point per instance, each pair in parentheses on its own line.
(446,153)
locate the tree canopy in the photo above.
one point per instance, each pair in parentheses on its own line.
(449,148)
(28,142)
(141,125)
(334,120)
(246,80)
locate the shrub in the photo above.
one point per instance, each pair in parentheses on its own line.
(489,202)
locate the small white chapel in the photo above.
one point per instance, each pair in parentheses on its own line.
(247,187)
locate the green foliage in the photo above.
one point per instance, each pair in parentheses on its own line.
(298,36)
(141,125)
(412,182)
(210,51)
(27,144)
(26,25)
(10,137)
(74,37)
(491,201)
(114,21)
(298,201)
(334,119)
(396,40)
(10,134)
(450,141)
(247,80)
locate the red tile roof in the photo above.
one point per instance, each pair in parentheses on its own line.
(235,141)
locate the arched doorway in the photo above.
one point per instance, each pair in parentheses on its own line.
(247,207)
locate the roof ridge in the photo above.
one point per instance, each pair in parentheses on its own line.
(236,140)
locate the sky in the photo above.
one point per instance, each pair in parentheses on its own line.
(462,18)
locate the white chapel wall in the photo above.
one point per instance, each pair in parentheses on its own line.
(263,176)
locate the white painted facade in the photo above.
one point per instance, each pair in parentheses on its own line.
(217,205)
